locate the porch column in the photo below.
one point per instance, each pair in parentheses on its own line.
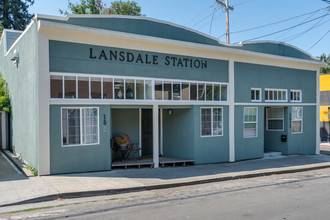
(155,132)
(231,110)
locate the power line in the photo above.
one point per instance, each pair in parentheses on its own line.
(199,14)
(276,32)
(202,20)
(276,22)
(318,40)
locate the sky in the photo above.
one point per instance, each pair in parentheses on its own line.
(302,23)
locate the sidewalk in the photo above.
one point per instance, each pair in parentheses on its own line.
(49,188)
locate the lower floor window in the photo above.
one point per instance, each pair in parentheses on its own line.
(250,122)
(275,119)
(297,119)
(80,126)
(211,122)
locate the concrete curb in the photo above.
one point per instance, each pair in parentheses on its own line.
(167,185)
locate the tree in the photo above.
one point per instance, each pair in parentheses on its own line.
(4,96)
(1,29)
(14,13)
(98,7)
(125,8)
(85,7)
(326,68)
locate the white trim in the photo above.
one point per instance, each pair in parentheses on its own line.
(318,137)
(155,133)
(277,91)
(125,78)
(267,129)
(276,104)
(256,122)
(255,94)
(19,38)
(301,120)
(81,127)
(161,132)
(231,76)
(140,131)
(212,135)
(298,92)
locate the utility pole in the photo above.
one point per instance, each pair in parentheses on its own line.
(227,7)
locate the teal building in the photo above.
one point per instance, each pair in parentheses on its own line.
(77,81)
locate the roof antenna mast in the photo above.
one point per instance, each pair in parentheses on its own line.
(227,7)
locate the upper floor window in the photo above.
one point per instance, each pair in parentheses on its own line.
(256,95)
(295,96)
(276,95)
(126,88)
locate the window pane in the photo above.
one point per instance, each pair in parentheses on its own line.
(89,126)
(167,91)
(71,126)
(275,95)
(107,88)
(209,92)
(130,89)
(296,126)
(193,91)
(275,124)
(253,94)
(158,90)
(275,112)
(266,95)
(83,87)
(258,95)
(217,121)
(148,87)
(56,86)
(206,121)
(185,91)
(201,92)
(70,87)
(216,92)
(250,129)
(95,88)
(119,88)
(176,91)
(139,89)
(223,92)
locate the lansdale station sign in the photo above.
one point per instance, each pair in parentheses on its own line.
(149,59)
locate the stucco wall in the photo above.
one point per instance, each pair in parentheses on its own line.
(23,90)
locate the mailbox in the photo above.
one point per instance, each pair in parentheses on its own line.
(283,138)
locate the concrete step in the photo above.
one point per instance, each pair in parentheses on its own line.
(272,154)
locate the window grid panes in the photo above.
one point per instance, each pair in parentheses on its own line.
(295,96)
(85,87)
(296,119)
(275,119)
(256,95)
(80,126)
(276,95)
(250,122)
(211,122)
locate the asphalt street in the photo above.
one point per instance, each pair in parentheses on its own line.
(304,195)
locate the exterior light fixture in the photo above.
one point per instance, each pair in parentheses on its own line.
(15,58)
(170,112)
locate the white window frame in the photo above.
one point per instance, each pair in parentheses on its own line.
(124,78)
(81,130)
(276,91)
(212,135)
(302,119)
(255,94)
(267,119)
(250,122)
(296,91)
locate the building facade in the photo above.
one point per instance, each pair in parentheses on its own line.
(77,81)
(325,107)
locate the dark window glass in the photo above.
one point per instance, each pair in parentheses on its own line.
(56,86)
(83,87)
(96,88)
(70,87)
(107,88)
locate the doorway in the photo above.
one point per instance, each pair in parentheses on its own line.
(146,132)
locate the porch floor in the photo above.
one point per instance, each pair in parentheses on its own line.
(148,162)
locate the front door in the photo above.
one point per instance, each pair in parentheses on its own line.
(147,140)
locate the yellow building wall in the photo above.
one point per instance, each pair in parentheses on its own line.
(324,86)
